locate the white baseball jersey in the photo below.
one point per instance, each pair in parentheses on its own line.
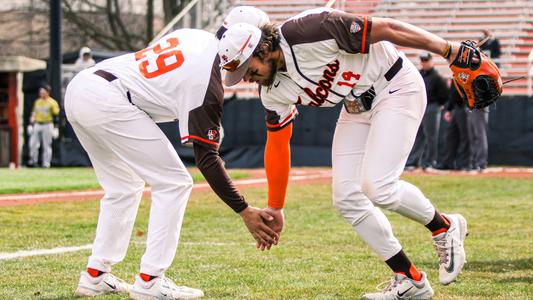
(328,55)
(178,77)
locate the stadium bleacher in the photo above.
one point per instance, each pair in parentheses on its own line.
(511,21)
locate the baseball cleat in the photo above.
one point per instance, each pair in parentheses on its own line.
(106,283)
(403,287)
(450,248)
(162,288)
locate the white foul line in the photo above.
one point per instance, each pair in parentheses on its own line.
(97,193)
(26,253)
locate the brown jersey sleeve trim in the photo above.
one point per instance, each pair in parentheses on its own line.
(273,122)
(194,137)
(279,125)
(351,32)
(305,29)
(204,121)
(363,42)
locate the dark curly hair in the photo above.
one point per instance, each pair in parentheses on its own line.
(270,36)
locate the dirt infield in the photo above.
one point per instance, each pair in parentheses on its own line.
(298,176)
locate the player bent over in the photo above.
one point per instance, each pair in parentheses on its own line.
(113,107)
(323,57)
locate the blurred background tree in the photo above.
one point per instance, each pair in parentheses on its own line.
(115,25)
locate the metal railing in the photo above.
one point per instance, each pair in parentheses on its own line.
(200,14)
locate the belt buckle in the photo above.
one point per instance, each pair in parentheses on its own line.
(354,106)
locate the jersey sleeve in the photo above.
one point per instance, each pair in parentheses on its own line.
(204,121)
(350,31)
(277,115)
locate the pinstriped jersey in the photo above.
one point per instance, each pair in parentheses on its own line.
(328,55)
(176,78)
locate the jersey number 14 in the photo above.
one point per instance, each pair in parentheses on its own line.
(160,59)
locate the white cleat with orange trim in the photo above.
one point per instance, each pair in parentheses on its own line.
(162,288)
(106,283)
(450,248)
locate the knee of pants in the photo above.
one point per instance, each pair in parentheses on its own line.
(381,193)
(124,191)
(349,201)
(179,181)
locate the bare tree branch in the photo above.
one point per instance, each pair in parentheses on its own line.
(110,16)
(118,20)
(109,24)
(149,20)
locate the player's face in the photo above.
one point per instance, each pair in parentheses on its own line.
(261,71)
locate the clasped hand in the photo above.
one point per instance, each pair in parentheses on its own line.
(265,225)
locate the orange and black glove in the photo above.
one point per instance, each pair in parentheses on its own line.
(476,77)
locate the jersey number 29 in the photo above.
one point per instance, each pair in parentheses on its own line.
(160,59)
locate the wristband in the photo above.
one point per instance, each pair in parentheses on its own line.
(448,51)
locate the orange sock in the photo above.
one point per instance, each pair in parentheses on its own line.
(94,272)
(438,224)
(400,264)
(147,277)
(417,276)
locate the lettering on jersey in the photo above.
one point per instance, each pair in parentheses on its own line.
(321,93)
(349,75)
(212,134)
(161,58)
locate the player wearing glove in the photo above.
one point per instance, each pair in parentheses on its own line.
(322,57)
(113,108)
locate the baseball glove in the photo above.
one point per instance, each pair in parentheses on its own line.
(476,77)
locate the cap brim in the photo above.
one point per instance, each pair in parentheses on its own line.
(232,78)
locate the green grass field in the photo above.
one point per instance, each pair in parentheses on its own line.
(319,257)
(63,179)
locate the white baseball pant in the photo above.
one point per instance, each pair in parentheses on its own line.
(128,149)
(369,154)
(41,136)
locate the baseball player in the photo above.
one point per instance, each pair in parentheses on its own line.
(113,107)
(43,127)
(322,57)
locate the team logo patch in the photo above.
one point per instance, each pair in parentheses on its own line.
(354,27)
(463,76)
(212,134)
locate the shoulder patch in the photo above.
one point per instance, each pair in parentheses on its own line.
(212,134)
(354,27)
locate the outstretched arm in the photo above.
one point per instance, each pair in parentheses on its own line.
(277,165)
(212,167)
(407,35)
